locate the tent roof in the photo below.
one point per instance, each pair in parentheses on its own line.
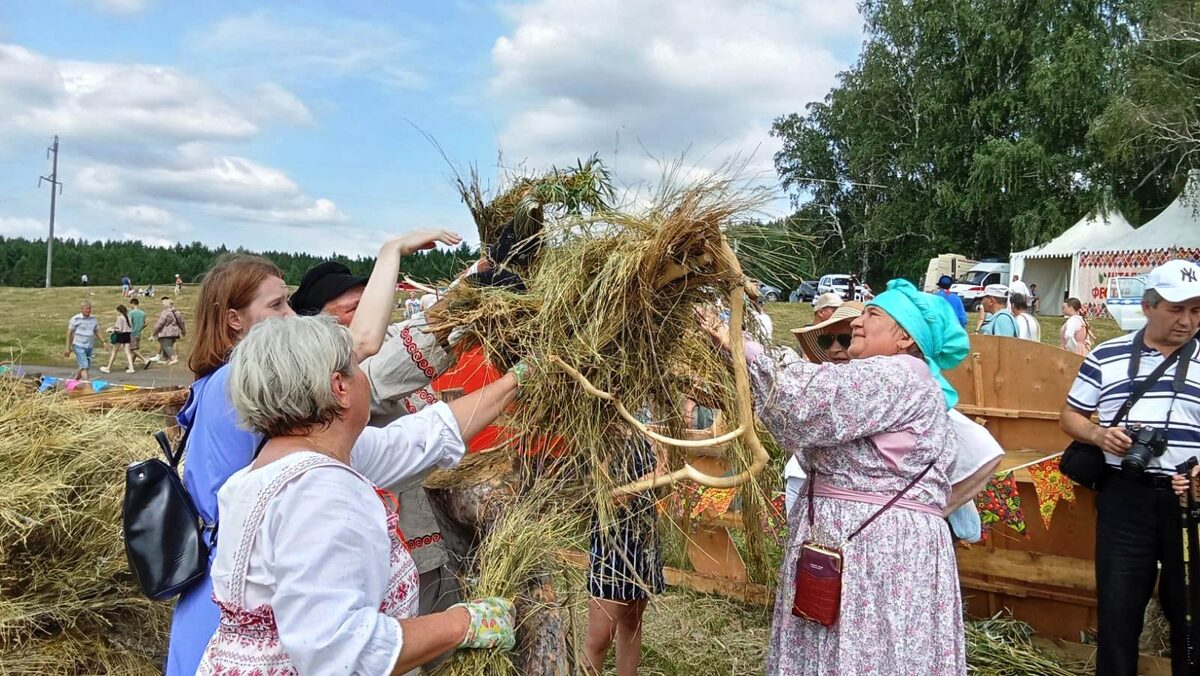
(1089,232)
(1177,226)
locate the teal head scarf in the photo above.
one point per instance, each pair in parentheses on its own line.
(931,323)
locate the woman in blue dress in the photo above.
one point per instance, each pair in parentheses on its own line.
(236,294)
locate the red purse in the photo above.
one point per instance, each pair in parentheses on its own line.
(819,569)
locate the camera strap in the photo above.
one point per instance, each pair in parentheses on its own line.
(1182,356)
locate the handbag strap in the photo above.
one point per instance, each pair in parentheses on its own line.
(881,510)
(1183,356)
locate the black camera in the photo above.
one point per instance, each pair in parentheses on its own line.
(1148,443)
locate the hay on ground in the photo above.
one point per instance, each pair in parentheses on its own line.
(68,604)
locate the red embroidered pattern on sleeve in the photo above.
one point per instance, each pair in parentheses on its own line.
(423,541)
(418,357)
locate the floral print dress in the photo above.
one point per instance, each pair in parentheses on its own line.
(868,427)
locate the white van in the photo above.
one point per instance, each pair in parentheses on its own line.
(970,286)
(1124,302)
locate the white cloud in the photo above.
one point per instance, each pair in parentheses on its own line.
(150,137)
(32,228)
(295,48)
(666,76)
(121,6)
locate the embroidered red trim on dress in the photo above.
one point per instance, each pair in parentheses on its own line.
(418,357)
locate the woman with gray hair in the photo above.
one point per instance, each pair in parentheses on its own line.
(313,575)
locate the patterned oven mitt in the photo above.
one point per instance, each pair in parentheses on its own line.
(493,624)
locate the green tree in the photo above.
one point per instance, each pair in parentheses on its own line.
(22,262)
(963,126)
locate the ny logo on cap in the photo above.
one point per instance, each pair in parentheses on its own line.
(1187,275)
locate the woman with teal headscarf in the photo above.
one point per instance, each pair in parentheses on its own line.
(863,431)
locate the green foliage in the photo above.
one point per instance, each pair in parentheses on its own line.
(1152,120)
(964,126)
(23,263)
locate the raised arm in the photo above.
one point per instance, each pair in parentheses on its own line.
(369,326)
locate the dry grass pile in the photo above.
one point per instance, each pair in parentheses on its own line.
(614,299)
(612,296)
(1002,646)
(529,201)
(68,604)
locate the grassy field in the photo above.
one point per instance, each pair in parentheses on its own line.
(34,326)
(34,321)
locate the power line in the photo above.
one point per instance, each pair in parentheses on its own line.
(52,179)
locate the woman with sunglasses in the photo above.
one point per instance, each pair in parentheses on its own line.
(869,431)
(828,341)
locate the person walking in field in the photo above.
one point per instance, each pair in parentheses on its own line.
(1027,326)
(82,331)
(168,329)
(178,284)
(1075,334)
(137,324)
(122,331)
(83,278)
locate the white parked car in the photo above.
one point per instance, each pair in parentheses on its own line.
(970,287)
(1124,302)
(840,284)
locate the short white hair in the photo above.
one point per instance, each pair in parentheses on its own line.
(280,373)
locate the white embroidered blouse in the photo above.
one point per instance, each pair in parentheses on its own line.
(321,557)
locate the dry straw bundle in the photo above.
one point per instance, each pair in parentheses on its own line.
(608,324)
(67,602)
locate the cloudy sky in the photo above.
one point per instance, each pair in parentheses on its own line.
(293,126)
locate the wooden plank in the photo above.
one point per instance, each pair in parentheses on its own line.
(1029,567)
(1148,665)
(710,549)
(969,409)
(746,592)
(1025,591)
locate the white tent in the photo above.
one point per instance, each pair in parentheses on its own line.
(1175,233)
(1054,266)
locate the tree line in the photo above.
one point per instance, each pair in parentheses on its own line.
(23,262)
(981,127)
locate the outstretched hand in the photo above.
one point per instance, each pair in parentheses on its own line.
(712,325)
(418,240)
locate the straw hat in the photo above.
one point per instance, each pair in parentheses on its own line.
(808,335)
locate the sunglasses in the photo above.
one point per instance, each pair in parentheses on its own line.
(825,340)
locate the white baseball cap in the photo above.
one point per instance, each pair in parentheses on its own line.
(827,300)
(996,291)
(1176,281)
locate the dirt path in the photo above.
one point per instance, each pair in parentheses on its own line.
(156,376)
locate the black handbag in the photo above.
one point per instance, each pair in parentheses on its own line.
(166,540)
(1084,463)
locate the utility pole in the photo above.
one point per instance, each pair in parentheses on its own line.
(55,190)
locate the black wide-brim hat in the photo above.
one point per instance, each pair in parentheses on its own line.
(322,283)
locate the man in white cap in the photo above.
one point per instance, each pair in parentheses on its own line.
(824,306)
(1138,520)
(997,320)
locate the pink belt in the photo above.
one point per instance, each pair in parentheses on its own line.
(824,490)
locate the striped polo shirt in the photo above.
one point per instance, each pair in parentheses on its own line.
(1103,385)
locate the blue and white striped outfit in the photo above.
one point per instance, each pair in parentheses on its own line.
(1104,383)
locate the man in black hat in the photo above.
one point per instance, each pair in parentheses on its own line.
(400,373)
